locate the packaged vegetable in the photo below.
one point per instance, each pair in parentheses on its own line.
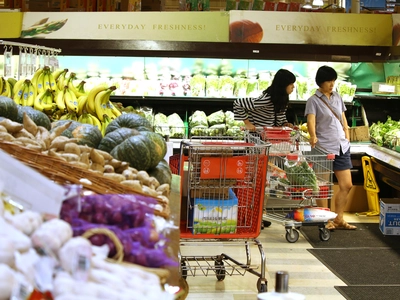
(198,118)
(161,125)
(217,117)
(176,126)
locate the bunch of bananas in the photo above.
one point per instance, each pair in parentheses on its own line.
(98,102)
(44,101)
(24,92)
(43,79)
(6,87)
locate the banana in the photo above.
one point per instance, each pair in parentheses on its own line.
(31,94)
(7,89)
(1,85)
(92,94)
(70,100)
(82,100)
(81,87)
(104,124)
(36,76)
(74,89)
(19,91)
(40,84)
(59,99)
(61,80)
(17,86)
(114,110)
(95,121)
(12,81)
(58,72)
(100,103)
(38,105)
(47,101)
(52,81)
(25,93)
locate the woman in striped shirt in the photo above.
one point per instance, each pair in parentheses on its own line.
(269,109)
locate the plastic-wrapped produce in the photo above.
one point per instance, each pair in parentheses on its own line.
(161,125)
(240,87)
(199,131)
(198,86)
(235,131)
(217,117)
(212,86)
(226,86)
(176,126)
(198,118)
(217,130)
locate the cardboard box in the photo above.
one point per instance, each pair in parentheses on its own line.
(359,134)
(389,217)
(211,189)
(211,216)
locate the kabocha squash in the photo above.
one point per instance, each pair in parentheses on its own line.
(162,172)
(38,117)
(85,134)
(115,138)
(158,148)
(136,151)
(8,108)
(129,120)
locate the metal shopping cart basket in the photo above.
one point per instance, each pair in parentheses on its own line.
(297,176)
(222,191)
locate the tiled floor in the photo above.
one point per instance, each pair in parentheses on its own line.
(307,275)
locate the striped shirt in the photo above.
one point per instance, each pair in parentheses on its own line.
(259,111)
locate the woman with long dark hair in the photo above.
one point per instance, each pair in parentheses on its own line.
(269,109)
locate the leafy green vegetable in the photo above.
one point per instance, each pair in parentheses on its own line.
(176,126)
(384,133)
(217,117)
(299,173)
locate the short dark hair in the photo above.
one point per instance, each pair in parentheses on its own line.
(325,73)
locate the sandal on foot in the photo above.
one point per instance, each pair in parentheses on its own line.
(332,225)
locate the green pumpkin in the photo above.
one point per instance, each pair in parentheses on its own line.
(128,120)
(161,172)
(85,134)
(158,146)
(136,151)
(116,137)
(38,117)
(8,108)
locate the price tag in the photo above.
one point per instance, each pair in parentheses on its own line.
(33,62)
(8,63)
(28,64)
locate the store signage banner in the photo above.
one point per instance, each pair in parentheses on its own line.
(310,28)
(10,24)
(396,30)
(165,26)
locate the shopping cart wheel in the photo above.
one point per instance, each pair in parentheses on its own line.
(183,270)
(292,235)
(324,234)
(219,270)
(262,285)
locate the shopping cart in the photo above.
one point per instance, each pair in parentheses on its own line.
(222,190)
(297,176)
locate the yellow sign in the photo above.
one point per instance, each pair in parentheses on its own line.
(10,24)
(310,28)
(165,26)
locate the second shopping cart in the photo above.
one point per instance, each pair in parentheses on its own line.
(299,178)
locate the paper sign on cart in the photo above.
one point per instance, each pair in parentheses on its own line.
(223,167)
(28,187)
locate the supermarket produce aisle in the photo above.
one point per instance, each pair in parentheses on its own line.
(307,275)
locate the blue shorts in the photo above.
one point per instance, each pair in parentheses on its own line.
(342,161)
